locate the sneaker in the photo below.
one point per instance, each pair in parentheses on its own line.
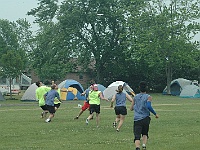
(114,124)
(143,147)
(117,130)
(48,120)
(137,148)
(87,121)
(76,117)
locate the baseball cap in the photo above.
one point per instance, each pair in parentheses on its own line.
(95,87)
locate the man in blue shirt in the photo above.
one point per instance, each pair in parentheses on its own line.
(49,101)
(142,108)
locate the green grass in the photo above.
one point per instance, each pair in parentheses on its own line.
(22,129)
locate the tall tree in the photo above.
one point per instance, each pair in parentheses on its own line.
(164,36)
(13,57)
(12,65)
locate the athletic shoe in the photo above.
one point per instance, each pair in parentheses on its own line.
(143,147)
(87,121)
(76,117)
(117,130)
(137,148)
(114,124)
(48,120)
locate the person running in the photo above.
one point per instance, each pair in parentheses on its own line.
(86,104)
(142,108)
(94,100)
(40,91)
(57,102)
(49,101)
(120,107)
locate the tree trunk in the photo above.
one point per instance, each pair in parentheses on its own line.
(169,76)
(10,88)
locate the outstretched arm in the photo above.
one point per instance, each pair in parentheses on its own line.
(150,107)
(103,98)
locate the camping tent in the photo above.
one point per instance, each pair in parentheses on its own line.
(1,97)
(72,94)
(111,89)
(177,85)
(29,94)
(4,91)
(190,91)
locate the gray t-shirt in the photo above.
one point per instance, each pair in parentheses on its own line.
(140,108)
(50,96)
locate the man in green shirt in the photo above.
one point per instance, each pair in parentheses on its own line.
(40,91)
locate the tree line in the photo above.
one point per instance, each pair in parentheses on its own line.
(129,40)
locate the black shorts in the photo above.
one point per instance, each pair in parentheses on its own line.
(120,110)
(141,127)
(51,109)
(44,107)
(57,105)
(94,108)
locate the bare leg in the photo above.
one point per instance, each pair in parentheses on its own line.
(144,140)
(97,119)
(50,117)
(137,143)
(122,117)
(80,113)
(117,118)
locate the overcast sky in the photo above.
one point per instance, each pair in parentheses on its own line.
(15,9)
(12,10)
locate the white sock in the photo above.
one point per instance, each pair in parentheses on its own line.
(143,145)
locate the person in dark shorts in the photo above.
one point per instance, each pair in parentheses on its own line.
(120,106)
(94,100)
(49,101)
(142,108)
(39,93)
(56,101)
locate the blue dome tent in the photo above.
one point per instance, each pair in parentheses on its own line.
(74,90)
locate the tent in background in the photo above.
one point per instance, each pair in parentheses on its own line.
(1,97)
(29,94)
(4,91)
(111,89)
(190,91)
(177,85)
(74,90)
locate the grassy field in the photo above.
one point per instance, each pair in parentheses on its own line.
(21,127)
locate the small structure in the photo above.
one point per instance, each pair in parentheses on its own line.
(20,83)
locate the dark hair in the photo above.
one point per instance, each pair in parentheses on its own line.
(53,86)
(143,86)
(37,83)
(120,89)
